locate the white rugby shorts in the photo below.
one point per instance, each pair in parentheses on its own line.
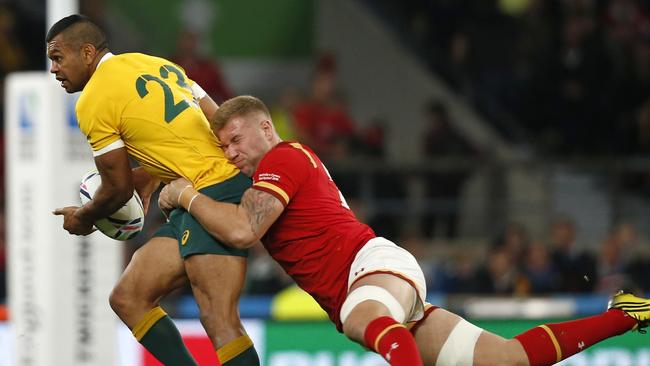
(383,256)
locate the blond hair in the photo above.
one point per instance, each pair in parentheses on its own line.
(236,107)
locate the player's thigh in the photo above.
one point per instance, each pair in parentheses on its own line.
(217,279)
(216,271)
(155,269)
(212,267)
(389,275)
(400,289)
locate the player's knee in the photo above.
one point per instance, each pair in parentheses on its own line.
(460,346)
(118,300)
(512,354)
(124,299)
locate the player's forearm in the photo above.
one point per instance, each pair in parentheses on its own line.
(227,222)
(106,201)
(208,106)
(206,103)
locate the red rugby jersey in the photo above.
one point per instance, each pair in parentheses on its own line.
(316,238)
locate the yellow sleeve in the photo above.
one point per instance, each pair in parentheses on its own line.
(98,124)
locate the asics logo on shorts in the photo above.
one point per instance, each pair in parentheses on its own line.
(186,235)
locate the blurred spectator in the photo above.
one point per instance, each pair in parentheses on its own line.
(515,239)
(322,119)
(627,236)
(621,261)
(611,266)
(443,189)
(499,275)
(454,275)
(555,75)
(201,68)
(372,137)
(577,268)
(539,271)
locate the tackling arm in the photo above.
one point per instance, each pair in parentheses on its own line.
(239,226)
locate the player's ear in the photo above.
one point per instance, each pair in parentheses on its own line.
(88,53)
(267,127)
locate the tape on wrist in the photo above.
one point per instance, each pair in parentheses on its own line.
(189,206)
(180,195)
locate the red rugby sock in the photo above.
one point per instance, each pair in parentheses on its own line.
(393,342)
(551,343)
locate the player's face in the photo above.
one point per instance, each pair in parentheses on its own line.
(67,65)
(245,141)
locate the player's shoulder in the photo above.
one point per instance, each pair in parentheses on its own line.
(133,60)
(290,150)
(135,56)
(293,155)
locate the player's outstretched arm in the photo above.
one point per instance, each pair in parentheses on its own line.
(239,226)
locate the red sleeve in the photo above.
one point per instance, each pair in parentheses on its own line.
(281,172)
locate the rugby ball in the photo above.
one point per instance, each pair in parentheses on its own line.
(126,222)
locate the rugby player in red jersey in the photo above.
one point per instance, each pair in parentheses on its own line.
(372,289)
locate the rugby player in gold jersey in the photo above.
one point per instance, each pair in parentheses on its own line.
(145,107)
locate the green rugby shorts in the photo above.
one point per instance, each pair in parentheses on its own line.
(192,238)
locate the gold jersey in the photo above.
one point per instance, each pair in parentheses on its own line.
(145,103)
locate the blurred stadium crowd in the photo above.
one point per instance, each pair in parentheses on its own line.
(544,72)
(565,78)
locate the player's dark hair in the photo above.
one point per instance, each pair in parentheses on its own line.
(235,107)
(78,30)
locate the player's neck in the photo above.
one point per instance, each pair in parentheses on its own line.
(275,141)
(98,59)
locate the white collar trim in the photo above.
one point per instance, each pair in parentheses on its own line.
(105,57)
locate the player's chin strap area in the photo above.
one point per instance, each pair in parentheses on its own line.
(458,349)
(375,293)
